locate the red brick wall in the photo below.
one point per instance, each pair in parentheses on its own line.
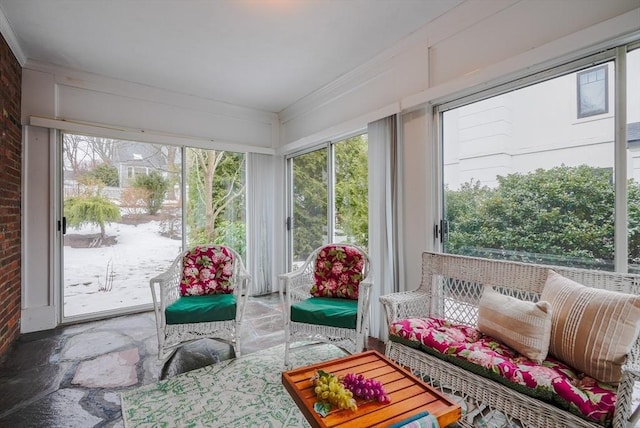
(10,196)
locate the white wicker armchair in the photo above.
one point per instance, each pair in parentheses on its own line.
(298,285)
(217,316)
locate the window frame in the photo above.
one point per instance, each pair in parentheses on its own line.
(503,85)
(580,92)
(329,145)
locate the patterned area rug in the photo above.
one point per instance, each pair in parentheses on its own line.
(242,392)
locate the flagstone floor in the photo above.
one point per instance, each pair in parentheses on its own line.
(72,376)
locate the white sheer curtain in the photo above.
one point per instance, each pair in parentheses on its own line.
(261,182)
(383,224)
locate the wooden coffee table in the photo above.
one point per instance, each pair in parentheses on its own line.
(409,395)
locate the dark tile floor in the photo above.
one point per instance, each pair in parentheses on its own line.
(72,376)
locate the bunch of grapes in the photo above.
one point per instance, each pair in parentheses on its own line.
(369,389)
(328,388)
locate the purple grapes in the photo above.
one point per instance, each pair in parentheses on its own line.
(368,389)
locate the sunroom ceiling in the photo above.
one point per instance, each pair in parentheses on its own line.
(262,54)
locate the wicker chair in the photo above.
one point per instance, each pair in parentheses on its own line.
(203,294)
(327,302)
(451,288)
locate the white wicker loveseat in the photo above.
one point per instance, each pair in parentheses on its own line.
(451,288)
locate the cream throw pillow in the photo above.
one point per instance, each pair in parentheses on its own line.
(592,330)
(521,325)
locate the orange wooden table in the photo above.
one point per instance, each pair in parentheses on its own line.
(409,395)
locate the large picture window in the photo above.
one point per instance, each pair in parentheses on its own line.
(522,180)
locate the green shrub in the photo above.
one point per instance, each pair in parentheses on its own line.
(156,187)
(107,174)
(98,210)
(562,215)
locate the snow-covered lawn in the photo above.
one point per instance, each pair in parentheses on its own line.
(140,254)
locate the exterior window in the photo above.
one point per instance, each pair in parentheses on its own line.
(593,91)
(523,181)
(328,199)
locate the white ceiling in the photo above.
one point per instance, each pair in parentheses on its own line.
(262,54)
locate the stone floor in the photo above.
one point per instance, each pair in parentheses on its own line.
(72,376)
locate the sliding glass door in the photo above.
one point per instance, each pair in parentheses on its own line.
(121,222)
(215,198)
(308,222)
(328,197)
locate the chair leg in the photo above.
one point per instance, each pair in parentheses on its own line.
(287,344)
(236,340)
(287,363)
(359,344)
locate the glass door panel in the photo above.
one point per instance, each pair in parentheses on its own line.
(308,222)
(351,224)
(122,212)
(216,195)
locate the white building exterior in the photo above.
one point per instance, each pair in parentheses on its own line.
(536,127)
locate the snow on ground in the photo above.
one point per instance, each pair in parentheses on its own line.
(140,254)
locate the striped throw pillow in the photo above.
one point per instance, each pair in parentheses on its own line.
(592,330)
(521,325)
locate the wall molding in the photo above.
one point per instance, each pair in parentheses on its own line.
(466,14)
(108,85)
(585,42)
(359,76)
(37,319)
(144,135)
(342,129)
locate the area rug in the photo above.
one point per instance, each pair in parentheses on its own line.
(242,392)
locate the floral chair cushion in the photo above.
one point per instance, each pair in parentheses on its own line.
(207,270)
(338,272)
(551,381)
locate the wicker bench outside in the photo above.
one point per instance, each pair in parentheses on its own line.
(451,288)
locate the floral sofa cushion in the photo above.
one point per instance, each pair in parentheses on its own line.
(551,381)
(206,270)
(338,272)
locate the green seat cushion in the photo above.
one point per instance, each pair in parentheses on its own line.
(328,311)
(205,308)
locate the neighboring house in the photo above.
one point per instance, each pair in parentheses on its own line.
(133,159)
(130,158)
(568,120)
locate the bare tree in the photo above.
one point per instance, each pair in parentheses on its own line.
(75,152)
(103,149)
(83,152)
(207,163)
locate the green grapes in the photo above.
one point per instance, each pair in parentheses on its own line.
(328,388)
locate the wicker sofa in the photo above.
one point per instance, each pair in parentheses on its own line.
(450,291)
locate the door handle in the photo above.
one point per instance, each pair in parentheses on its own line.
(62,225)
